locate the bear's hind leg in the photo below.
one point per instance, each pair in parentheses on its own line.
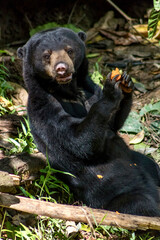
(135,204)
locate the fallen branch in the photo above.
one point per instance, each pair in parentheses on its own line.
(78,214)
(120,11)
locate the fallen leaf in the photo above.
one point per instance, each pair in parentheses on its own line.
(121,37)
(141,28)
(132,124)
(139,86)
(144,148)
(137,138)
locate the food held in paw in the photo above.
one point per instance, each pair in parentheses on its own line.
(114,73)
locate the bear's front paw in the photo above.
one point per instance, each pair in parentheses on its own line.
(112,87)
(126,83)
(124,80)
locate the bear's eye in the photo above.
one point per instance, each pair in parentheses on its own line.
(69,51)
(46,56)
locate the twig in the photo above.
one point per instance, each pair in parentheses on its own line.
(28,21)
(70,16)
(89,221)
(120,11)
(80,19)
(131,25)
(130,21)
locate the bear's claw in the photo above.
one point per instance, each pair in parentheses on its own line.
(125,82)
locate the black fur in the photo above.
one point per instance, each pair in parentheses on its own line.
(77,123)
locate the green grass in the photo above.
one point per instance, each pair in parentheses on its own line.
(4,85)
(24,141)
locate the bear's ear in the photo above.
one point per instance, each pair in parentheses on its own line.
(21,52)
(82,36)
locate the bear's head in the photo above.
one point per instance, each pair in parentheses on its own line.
(54,54)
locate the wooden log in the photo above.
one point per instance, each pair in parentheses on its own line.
(78,213)
(27,166)
(8,182)
(9,125)
(23,164)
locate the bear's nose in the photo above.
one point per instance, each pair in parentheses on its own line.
(61,68)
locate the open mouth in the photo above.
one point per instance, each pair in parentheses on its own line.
(64,80)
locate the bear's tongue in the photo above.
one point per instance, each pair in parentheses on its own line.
(64,79)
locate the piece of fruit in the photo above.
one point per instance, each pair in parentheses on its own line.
(114,73)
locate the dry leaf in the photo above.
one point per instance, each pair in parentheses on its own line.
(121,37)
(143,30)
(137,138)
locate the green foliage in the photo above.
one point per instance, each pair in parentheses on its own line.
(96,76)
(26,233)
(92,55)
(156,4)
(153,22)
(48,228)
(24,141)
(153,110)
(107,231)
(4,85)
(150,108)
(6,106)
(133,123)
(148,120)
(53,25)
(3,111)
(48,185)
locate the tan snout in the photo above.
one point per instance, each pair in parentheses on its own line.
(60,67)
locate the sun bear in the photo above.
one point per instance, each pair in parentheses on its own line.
(76,124)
